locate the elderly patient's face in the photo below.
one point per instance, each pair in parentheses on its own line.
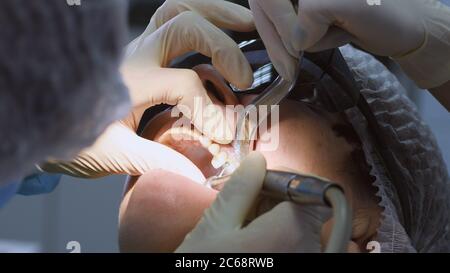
(160,208)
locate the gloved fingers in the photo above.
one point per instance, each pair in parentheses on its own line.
(377,29)
(196,105)
(314,21)
(281,14)
(297,228)
(120,151)
(264,204)
(190,32)
(207,117)
(97,161)
(221,13)
(133,119)
(233,203)
(183,88)
(316,216)
(136,155)
(335,37)
(307,26)
(70,169)
(284,62)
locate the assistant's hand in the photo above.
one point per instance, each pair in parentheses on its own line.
(285,228)
(176,28)
(416,33)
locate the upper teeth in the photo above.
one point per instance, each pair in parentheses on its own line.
(182,133)
(220,158)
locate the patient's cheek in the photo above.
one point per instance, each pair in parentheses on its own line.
(306,143)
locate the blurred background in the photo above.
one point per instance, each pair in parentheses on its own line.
(86,211)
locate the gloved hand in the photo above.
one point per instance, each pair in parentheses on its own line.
(176,28)
(416,33)
(285,228)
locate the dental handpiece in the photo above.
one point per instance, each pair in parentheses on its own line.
(312,190)
(301,189)
(307,190)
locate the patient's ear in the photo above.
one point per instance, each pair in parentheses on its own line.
(216,85)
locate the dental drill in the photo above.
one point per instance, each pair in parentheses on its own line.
(304,189)
(312,190)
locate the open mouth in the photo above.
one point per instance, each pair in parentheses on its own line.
(179,135)
(182,137)
(208,156)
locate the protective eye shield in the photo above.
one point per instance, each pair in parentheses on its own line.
(325,81)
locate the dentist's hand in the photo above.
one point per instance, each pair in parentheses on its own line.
(416,33)
(285,228)
(176,28)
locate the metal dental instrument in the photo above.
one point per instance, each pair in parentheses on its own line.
(246,131)
(272,95)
